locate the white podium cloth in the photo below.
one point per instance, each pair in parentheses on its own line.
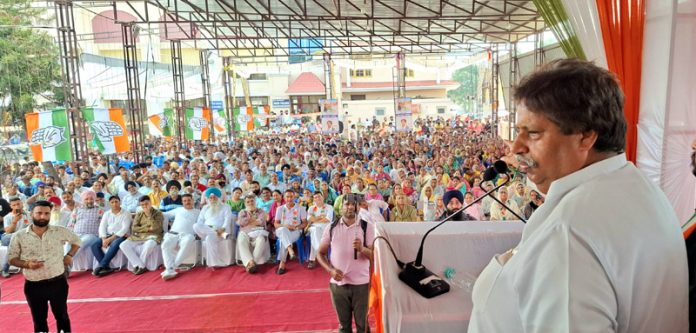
(467,247)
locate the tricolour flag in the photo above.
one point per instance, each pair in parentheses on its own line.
(48,134)
(250,117)
(164,123)
(108,129)
(220,122)
(198,123)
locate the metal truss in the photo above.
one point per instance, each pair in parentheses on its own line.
(178,75)
(227,82)
(205,80)
(262,28)
(514,76)
(135,111)
(69,59)
(495,76)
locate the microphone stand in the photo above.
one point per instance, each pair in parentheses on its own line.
(421,279)
(500,202)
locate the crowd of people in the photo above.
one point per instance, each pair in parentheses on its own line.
(267,192)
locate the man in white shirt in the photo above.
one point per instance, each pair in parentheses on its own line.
(179,242)
(113,230)
(214,227)
(604,253)
(13,222)
(319,216)
(131,199)
(290,220)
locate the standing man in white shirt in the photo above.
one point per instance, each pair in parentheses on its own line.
(179,241)
(605,252)
(113,230)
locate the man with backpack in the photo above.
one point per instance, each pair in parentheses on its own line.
(350,241)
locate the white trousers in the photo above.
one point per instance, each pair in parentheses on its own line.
(218,251)
(83,259)
(252,248)
(175,248)
(315,232)
(287,238)
(130,249)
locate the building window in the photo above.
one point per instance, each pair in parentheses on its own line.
(357,97)
(379,111)
(361,73)
(441,109)
(257,77)
(409,73)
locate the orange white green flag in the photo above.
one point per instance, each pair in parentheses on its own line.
(198,123)
(108,129)
(48,134)
(164,123)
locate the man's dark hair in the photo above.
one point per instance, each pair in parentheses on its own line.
(114,197)
(13,199)
(42,203)
(578,97)
(186,196)
(144,198)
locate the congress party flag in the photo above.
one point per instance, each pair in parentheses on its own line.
(220,122)
(198,123)
(108,129)
(164,123)
(48,134)
(250,117)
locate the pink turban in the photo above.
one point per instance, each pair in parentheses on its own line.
(88,194)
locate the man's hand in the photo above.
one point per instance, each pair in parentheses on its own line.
(67,260)
(358,245)
(106,241)
(33,264)
(336,274)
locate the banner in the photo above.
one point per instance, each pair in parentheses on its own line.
(48,134)
(220,122)
(197,123)
(164,123)
(329,116)
(108,129)
(404,119)
(248,118)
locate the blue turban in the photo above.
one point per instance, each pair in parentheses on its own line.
(213,191)
(449,195)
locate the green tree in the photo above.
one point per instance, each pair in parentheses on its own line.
(29,61)
(466,93)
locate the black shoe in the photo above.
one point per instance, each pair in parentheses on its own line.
(97,271)
(281,271)
(105,271)
(139,270)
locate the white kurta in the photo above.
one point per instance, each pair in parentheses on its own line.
(218,251)
(179,242)
(603,254)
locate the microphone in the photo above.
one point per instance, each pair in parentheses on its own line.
(355,254)
(499,167)
(421,279)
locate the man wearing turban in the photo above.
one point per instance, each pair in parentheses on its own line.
(453,203)
(214,226)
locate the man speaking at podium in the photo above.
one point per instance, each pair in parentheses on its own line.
(605,252)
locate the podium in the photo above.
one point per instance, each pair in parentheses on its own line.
(466,247)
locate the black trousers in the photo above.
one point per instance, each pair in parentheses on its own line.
(39,294)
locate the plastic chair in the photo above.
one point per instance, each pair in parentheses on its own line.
(302,252)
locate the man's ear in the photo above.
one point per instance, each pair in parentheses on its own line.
(587,140)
